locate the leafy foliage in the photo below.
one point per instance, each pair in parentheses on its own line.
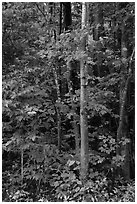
(33,168)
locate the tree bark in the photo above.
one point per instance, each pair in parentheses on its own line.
(60,19)
(98,21)
(55,73)
(122,131)
(22,165)
(67,24)
(98,28)
(73,106)
(67,15)
(83,101)
(57,108)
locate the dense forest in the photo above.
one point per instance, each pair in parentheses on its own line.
(68,101)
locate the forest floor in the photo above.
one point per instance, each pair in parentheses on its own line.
(60,183)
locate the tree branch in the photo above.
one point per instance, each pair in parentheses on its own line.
(40,10)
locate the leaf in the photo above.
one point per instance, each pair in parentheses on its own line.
(102,112)
(56,183)
(79,182)
(117,63)
(77,189)
(20,118)
(64,175)
(50,119)
(8,143)
(72,176)
(70,162)
(26,146)
(32,113)
(51,111)
(101,160)
(32,136)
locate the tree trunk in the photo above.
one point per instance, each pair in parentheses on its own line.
(98,28)
(73,106)
(98,21)
(58,101)
(113,26)
(67,15)
(22,165)
(60,19)
(83,101)
(67,24)
(122,131)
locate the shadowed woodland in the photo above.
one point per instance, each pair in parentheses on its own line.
(68,110)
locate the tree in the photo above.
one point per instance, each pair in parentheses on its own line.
(126,75)
(98,28)
(70,67)
(75,120)
(60,19)
(83,100)
(57,82)
(67,15)
(98,20)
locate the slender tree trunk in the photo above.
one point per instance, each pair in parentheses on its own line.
(58,101)
(67,15)
(83,101)
(114,26)
(98,28)
(60,19)
(122,131)
(22,165)
(55,73)
(98,21)
(73,106)
(67,24)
